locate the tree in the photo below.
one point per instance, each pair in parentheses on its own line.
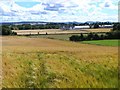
(96,25)
(6,30)
(116,27)
(90,36)
(96,37)
(74,38)
(102,37)
(81,37)
(109,35)
(27,26)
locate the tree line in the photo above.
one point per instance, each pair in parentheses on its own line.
(114,34)
(29,26)
(5,30)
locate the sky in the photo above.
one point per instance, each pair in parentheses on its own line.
(58,10)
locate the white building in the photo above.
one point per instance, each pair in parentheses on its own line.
(81,27)
(66,27)
(106,26)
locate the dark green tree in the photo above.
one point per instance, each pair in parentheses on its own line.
(96,37)
(6,30)
(116,27)
(96,25)
(90,36)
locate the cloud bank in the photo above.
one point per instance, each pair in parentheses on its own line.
(58,11)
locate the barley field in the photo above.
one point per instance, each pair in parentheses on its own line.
(47,63)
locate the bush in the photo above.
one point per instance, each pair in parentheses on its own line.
(102,37)
(116,35)
(90,36)
(75,38)
(14,33)
(109,35)
(82,38)
(96,37)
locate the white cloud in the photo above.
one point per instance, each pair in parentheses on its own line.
(60,10)
(109,4)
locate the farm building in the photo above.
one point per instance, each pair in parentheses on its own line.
(106,26)
(81,27)
(67,27)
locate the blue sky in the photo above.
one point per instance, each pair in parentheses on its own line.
(27,4)
(58,10)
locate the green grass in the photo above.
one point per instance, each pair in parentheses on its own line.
(66,37)
(58,37)
(103,42)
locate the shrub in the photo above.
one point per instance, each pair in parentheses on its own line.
(82,38)
(102,37)
(90,36)
(96,37)
(74,38)
(109,35)
(14,33)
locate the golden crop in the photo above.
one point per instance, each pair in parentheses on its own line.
(47,63)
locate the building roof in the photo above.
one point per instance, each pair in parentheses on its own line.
(81,27)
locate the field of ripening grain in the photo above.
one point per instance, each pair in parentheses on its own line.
(48,63)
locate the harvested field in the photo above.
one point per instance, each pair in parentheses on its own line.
(47,63)
(58,31)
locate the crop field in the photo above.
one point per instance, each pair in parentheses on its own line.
(0,62)
(104,42)
(59,31)
(55,36)
(50,63)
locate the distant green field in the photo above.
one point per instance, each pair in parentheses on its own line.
(59,37)
(66,37)
(104,42)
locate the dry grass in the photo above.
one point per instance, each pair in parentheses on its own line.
(0,62)
(58,31)
(46,63)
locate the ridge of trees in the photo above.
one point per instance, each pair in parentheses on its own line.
(7,29)
(114,34)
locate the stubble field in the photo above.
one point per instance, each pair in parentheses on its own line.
(47,63)
(59,31)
